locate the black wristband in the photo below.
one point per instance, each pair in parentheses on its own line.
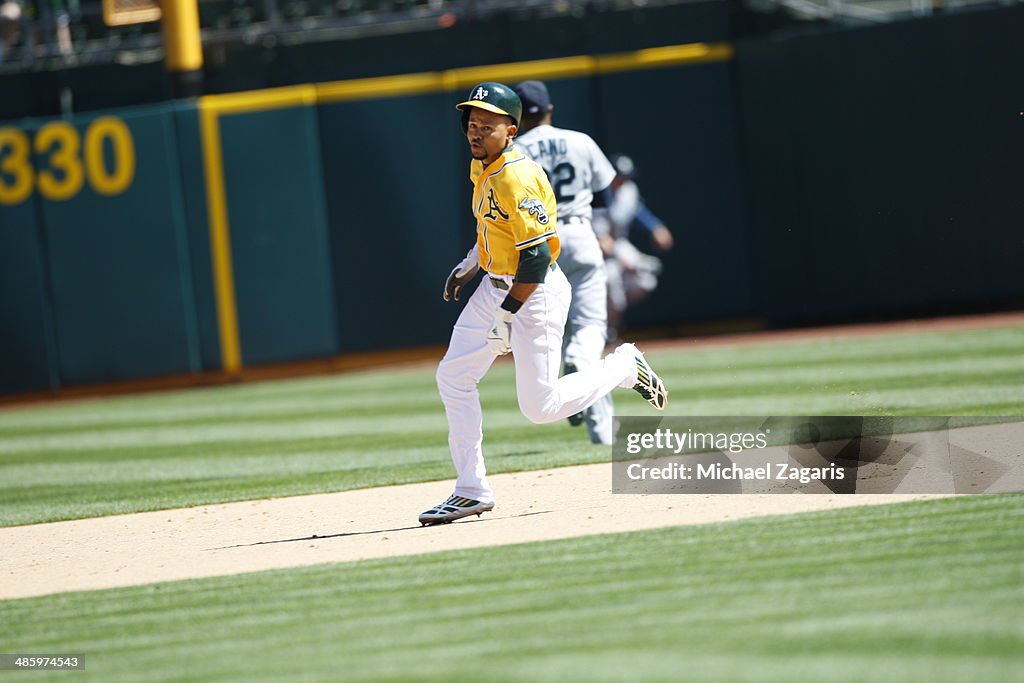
(511,305)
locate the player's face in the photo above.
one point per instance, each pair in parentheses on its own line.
(488,134)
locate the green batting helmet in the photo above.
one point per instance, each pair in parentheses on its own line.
(493,97)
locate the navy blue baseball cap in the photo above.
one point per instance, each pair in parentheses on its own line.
(534,95)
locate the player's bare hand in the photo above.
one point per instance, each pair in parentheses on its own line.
(500,336)
(460,275)
(662,238)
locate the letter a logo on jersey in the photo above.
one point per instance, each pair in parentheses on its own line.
(536,207)
(480,94)
(493,208)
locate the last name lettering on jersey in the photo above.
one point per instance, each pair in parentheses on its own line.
(552,147)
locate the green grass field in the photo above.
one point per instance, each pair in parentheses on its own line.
(928,591)
(100,457)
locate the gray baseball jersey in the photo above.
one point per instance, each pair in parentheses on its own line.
(576,166)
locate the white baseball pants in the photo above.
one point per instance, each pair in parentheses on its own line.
(536,348)
(586,331)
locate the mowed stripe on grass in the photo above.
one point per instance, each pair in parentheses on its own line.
(333,433)
(919,591)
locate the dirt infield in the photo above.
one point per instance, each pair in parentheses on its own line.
(218,540)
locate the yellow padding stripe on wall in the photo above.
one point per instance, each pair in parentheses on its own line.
(656,57)
(510,74)
(454,79)
(384,86)
(259,100)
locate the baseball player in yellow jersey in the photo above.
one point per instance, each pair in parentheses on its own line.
(520,305)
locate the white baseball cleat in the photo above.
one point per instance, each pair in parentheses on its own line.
(454,508)
(648,384)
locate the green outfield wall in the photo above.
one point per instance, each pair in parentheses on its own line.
(279,243)
(867,173)
(94,242)
(883,167)
(27,342)
(105,245)
(397,216)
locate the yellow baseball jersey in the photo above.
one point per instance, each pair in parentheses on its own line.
(515,208)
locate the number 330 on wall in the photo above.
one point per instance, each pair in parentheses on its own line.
(64,162)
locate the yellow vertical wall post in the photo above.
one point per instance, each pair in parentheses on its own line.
(183,46)
(220,240)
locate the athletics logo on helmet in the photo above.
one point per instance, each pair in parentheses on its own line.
(493,97)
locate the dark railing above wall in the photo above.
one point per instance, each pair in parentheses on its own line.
(127,66)
(52,34)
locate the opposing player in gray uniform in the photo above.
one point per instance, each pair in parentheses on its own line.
(577,169)
(632,274)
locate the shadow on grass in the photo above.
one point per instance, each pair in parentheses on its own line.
(518,454)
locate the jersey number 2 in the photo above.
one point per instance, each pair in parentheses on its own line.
(561,175)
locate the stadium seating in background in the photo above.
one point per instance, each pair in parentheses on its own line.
(69,32)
